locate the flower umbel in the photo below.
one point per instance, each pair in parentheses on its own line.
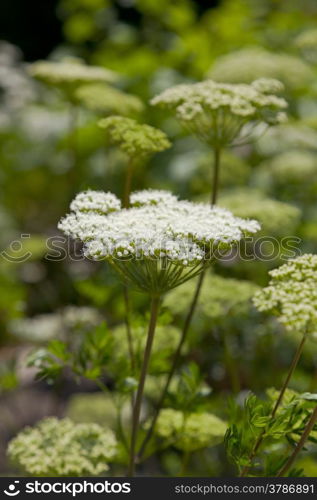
(218,113)
(62,448)
(158,246)
(292,294)
(69,73)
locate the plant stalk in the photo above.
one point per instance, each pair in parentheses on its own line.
(128,326)
(74,173)
(215,183)
(294,363)
(139,395)
(188,319)
(309,427)
(128,183)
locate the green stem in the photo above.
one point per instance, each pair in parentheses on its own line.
(139,395)
(185,462)
(309,427)
(188,318)
(72,144)
(294,363)
(128,183)
(128,327)
(215,183)
(174,364)
(231,365)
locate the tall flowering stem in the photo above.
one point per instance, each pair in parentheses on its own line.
(155,245)
(218,114)
(175,360)
(215,183)
(292,296)
(279,400)
(155,301)
(189,317)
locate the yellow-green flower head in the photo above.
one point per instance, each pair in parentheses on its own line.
(133,138)
(221,113)
(63,448)
(156,245)
(191,432)
(276,217)
(69,73)
(292,294)
(104,99)
(245,65)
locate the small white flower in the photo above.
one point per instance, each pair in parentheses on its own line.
(97,202)
(151,197)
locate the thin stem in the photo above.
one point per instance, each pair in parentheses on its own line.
(231,365)
(309,427)
(72,143)
(138,400)
(215,183)
(174,364)
(128,183)
(126,203)
(188,320)
(294,363)
(185,462)
(128,326)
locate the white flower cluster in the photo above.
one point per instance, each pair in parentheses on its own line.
(152,197)
(97,202)
(191,432)
(70,71)
(177,232)
(156,229)
(217,112)
(45,327)
(292,294)
(62,448)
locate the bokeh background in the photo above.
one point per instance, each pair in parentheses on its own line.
(151,45)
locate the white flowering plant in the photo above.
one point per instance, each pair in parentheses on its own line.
(221,113)
(150,311)
(158,244)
